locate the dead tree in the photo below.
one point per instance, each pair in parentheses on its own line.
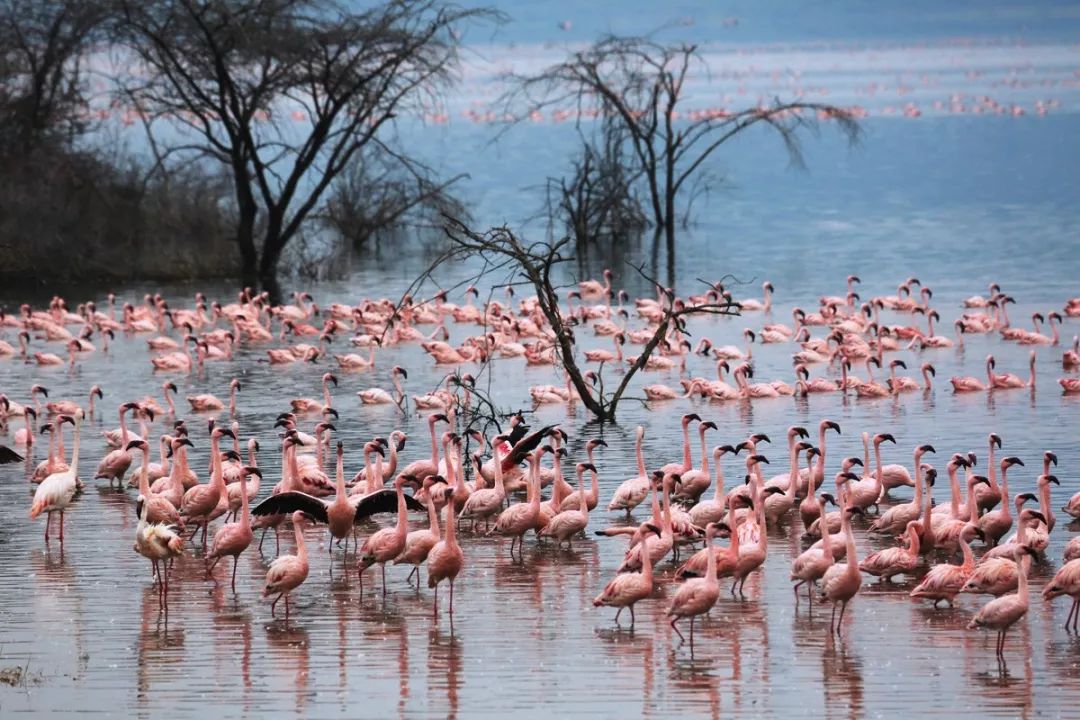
(507,259)
(286,93)
(640,85)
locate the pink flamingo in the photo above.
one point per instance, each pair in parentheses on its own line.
(378,396)
(1002,613)
(519,518)
(972,384)
(209,403)
(944,580)
(1010,380)
(288,572)
(116,463)
(157,510)
(200,501)
(25,435)
(842,581)
(388,543)
(633,491)
(420,469)
(812,564)
(310,405)
(568,523)
(160,544)
(445,560)
(234,538)
(626,589)
(418,543)
(56,492)
(1066,582)
(696,596)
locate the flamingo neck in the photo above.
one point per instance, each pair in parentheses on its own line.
(301,548)
(433,517)
(245,510)
(402,512)
(992,474)
(965,550)
(500,486)
(434,445)
(640,456)
(144,474)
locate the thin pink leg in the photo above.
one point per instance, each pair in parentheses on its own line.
(48,522)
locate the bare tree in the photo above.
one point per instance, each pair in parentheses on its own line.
(641,85)
(285,93)
(42,82)
(384,192)
(505,258)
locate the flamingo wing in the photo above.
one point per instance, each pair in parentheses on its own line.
(383,501)
(7,455)
(525,446)
(287,502)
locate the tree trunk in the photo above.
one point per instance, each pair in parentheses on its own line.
(249,259)
(273,244)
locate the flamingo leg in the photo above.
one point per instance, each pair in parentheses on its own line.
(451,597)
(692,633)
(617,614)
(384,586)
(676,629)
(48,522)
(1076,612)
(263,537)
(61,527)
(832,620)
(796,589)
(235,562)
(631,616)
(435,606)
(273,606)
(840,622)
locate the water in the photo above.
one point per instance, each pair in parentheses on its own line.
(959,201)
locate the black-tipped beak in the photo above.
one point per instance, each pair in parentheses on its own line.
(185,441)
(927,449)
(1052,457)
(801,432)
(1053,479)
(253,471)
(134,444)
(833,426)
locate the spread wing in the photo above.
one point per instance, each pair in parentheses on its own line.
(384,501)
(525,446)
(7,455)
(287,502)
(516,433)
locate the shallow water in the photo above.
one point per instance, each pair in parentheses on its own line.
(525,637)
(958,201)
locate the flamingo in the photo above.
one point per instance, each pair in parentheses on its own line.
(209,403)
(754,305)
(388,543)
(1010,380)
(1066,582)
(897,560)
(378,396)
(842,581)
(697,595)
(813,563)
(944,580)
(1002,613)
(446,559)
(418,543)
(287,572)
(116,463)
(632,492)
(703,513)
(56,492)
(234,538)
(973,384)
(626,589)
(568,523)
(160,544)
(312,406)
(421,469)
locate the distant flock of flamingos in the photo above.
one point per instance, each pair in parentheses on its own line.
(685,517)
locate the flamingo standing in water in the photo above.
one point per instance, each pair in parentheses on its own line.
(446,559)
(1066,582)
(288,572)
(626,589)
(1002,613)
(696,596)
(310,405)
(234,538)
(842,581)
(56,492)
(388,543)
(160,544)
